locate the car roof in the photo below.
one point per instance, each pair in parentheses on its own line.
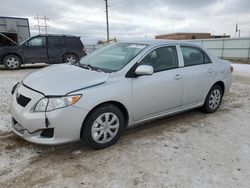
(55,35)
(158,42)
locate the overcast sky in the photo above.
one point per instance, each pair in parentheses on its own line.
(133,18)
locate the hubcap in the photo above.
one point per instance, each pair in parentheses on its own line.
(70,59)
(12,62)
(214,99)
(105,128)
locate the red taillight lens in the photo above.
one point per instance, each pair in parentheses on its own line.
(82,49)
(231,69)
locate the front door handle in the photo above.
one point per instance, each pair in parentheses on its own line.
(178,77)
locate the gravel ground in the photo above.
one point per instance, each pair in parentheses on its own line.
(188,150)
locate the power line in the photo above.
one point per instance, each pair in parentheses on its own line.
(124,3)
(42,23)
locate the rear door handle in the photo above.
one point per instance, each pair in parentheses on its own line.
(210,70)
(178,77)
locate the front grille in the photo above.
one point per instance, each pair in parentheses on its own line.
(22,100)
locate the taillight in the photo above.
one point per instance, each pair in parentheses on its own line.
(83,50)
(231,68)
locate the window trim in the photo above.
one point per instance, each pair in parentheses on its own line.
(163,46)
(202,51)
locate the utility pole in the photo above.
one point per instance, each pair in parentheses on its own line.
(236,29)
(107,19)
(38,24)
(45,24)
(42,24)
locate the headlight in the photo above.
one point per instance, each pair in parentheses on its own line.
(53,103)
(42,105)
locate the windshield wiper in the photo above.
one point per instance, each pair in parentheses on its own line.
(89,67)
(86,66)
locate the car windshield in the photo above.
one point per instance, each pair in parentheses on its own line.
(112,58)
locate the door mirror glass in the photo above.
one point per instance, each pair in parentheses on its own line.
(144,70)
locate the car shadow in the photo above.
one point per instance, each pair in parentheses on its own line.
(153,131)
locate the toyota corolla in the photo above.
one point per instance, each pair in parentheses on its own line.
(123,84)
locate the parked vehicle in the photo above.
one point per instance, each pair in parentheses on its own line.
(115,87)
(6,41)
(43,49)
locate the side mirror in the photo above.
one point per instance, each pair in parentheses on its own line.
(26,44)
(144,70)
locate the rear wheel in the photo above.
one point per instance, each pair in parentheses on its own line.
(103,127)
(12,62)
(70,58)
(213,99)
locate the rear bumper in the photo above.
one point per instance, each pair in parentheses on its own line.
(227,82)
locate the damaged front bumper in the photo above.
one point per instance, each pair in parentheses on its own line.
(62,126)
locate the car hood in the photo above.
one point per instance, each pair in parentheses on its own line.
(63,79)
(9,39)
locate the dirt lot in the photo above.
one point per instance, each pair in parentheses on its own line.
(189,150)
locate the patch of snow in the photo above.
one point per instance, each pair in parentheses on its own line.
(241,69)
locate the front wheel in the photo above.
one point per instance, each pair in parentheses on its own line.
(103,127)
(12,62)
(213,99)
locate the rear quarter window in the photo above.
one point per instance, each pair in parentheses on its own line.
(74,41)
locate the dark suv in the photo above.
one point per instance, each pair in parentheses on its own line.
(43,49)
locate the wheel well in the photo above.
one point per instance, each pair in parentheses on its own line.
(12,54)
(115,103)
(222,85)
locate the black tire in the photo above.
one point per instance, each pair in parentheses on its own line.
(70,58)
(86,133)
(12,62)
(211,104)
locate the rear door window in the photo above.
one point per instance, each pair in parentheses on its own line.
(194,56)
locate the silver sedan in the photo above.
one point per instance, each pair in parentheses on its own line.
(115,87)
